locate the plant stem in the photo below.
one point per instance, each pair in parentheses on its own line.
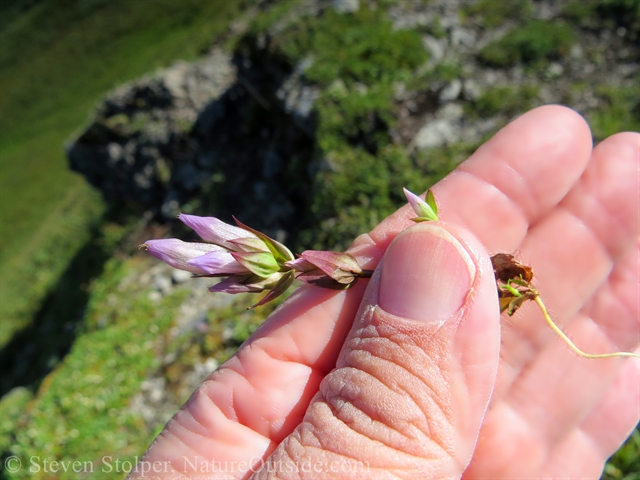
(572,346)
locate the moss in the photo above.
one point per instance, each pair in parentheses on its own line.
(360,47)
(493,13)
(535,43)
(270,17)
(11,407)
(605,14)
(505,100)
(435,28)
(358,190)
(623,465)
(619,111)
(89,393)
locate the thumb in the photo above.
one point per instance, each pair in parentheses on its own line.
(416,372)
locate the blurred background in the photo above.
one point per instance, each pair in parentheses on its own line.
(304,118)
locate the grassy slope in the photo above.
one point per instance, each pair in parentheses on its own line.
(57,59)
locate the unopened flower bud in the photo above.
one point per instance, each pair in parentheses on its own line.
(427,211)
(341,267)
(214,230)
(178,254)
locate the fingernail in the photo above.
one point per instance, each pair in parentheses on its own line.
(426,274)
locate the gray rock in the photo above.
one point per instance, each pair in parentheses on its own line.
(451,92)
(443,130)
(162,283)
(554,70)
(462,37)
(180,276)
(123,151)
(155,296)
(435,47)
(346,6)
(471,90)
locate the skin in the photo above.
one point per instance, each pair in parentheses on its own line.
(323,383)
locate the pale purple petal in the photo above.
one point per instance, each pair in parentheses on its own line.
(217,263)
(214,230)
(415,201)
(300,265)
(178,253)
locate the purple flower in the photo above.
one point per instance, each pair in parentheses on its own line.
(251,261)
(178,254)
(214,230)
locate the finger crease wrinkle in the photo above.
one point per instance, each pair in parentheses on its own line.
(604,212)
(391,387)
(608,252)
(591,441)
(415,397)
(204,391)
(524,336)
(400,389)
(336,412)
(605,329)
(411,373)
(173,434)
(512,202)
(522,184)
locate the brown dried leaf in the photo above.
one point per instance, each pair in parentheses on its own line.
(506,267)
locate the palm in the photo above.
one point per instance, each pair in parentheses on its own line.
(549,402)
(535,188)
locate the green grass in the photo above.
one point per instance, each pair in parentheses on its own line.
(620,110)
(362,47)
(605,14)
(625,463)
(505,100)
(534,43)
(493,13)
(58,58)
(27,275)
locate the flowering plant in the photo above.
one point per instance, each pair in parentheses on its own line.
(250,261)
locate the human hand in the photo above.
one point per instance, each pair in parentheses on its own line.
(420,383)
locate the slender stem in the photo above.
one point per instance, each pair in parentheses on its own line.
(572,346)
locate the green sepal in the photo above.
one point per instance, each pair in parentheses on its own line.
(516,303)
(261,263)
(283,284)
(514,292)
(427,213)
(431,201)
(280,252)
